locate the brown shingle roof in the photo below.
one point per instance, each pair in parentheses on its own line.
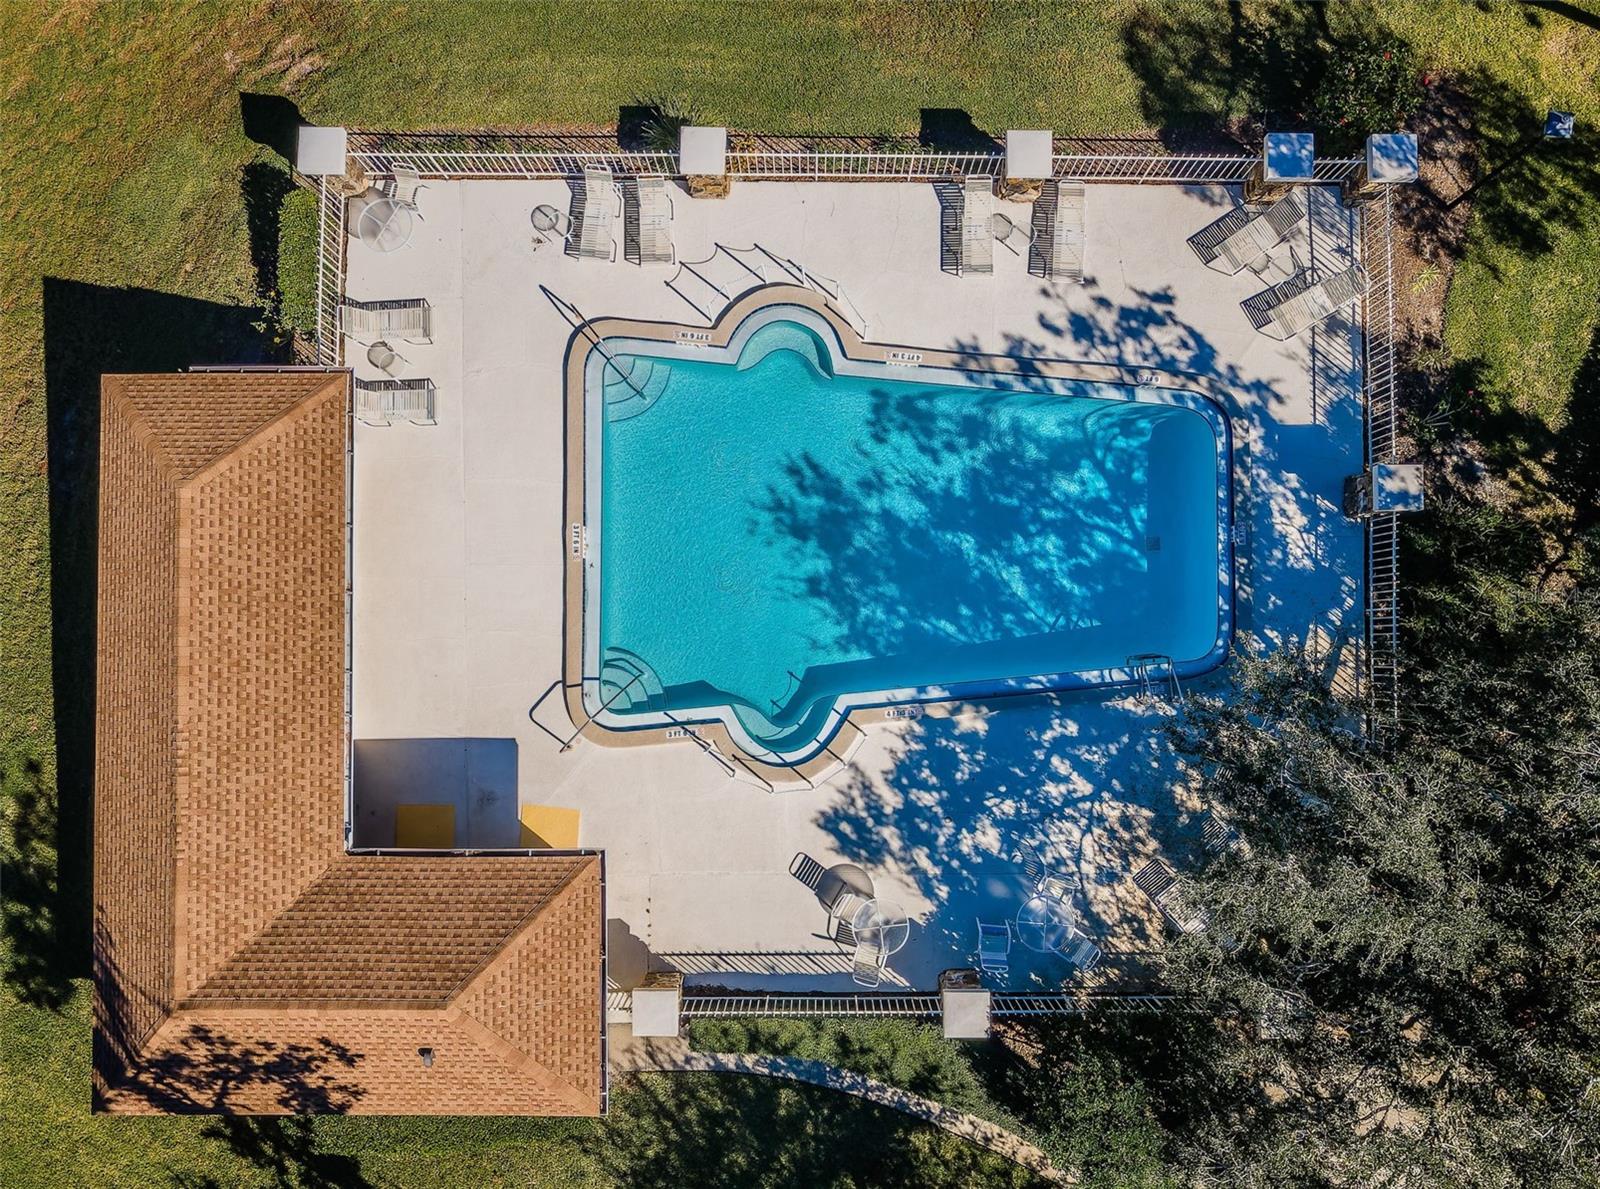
(244,962)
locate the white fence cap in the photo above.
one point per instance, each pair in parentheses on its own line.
(1392,157)
(1289,157)
(703,152)
(320,152)
(1028,152)
(965,1013)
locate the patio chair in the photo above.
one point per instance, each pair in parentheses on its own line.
(977,225)
(994,947)
(601,206)
(654,213)
(844,933)
(1161,884)
(404,185)
(1058,886)
(407,318)
(1033,867)
(1249,244)
(1217,835)
(1086,955)
(1067,236)
(382,402)
(1293,315)
(867,968)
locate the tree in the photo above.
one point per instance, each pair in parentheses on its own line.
(1415,996)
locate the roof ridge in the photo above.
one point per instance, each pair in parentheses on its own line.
(268,429)
(139,424)
(504,947)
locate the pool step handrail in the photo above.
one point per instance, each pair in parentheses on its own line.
(575,319)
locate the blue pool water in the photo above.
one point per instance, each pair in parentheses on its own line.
(775,537)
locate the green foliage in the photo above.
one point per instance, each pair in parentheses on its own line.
(668,116)
(1365,88)
(297,262)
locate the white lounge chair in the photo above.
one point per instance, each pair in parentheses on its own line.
(382,402)
(601,206)
(977,225)
(1067,237)
(655,222)
(408,318)
(994,947)
(1305,309)
(1249,245)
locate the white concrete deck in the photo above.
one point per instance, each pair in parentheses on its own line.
(459,544)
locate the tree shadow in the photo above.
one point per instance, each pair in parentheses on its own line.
(285,1150)
(670,1130)
(951,130)
(88,330)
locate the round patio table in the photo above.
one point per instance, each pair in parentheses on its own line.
(1044,924)
(385,225)
(381,356)
(547,219)
(881,923)
(840,880)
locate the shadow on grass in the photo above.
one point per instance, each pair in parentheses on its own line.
(285,1149)
(88,330)
(711,1130)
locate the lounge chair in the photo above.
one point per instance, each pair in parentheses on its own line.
(977,225)
(1248,245)
(1161,884)
(655,222)
(994,947)
(405,184)
(601,206)
(382,402)
(1298,313)
(1067,237)
(408,318)
(867,968)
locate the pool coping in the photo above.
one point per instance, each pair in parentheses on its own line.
(834,748)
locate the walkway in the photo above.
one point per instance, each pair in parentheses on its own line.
(675,1056)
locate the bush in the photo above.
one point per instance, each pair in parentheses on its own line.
(297,262)
(1365,89)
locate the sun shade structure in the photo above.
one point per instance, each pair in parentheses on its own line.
(702,152)
(1028,154)
(244,962)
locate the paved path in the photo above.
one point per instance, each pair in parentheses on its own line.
(675,1056)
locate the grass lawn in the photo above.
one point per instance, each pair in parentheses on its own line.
(142,230)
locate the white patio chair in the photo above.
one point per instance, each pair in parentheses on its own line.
(867,968)
(994,947)
(977,225)
(404,185)
(655,222)
(1086,955)
(601,206)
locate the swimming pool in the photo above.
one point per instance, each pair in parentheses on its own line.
(778,532)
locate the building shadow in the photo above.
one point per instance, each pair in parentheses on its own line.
(270,120)
(89,330)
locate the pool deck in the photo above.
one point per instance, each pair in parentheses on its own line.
(461,543)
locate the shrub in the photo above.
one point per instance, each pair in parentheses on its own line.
(297,262)
(1365,89)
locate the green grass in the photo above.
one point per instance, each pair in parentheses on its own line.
(126,165)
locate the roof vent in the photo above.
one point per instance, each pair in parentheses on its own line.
(427,1058)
